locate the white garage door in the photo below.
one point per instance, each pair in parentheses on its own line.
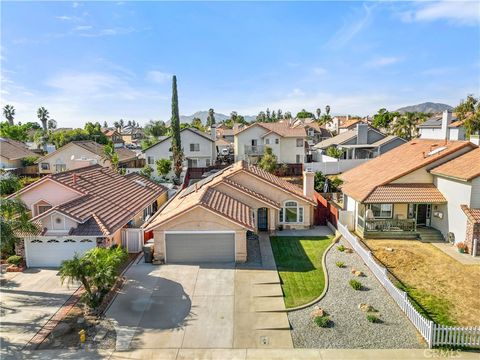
(50,252)
(200,247)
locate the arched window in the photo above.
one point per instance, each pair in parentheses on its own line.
(291,212)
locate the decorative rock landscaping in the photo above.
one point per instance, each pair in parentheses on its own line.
(351,313)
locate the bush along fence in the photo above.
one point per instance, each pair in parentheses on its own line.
(434,334)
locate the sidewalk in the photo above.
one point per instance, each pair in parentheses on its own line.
(253,354)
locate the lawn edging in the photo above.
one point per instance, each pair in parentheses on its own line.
(325,271)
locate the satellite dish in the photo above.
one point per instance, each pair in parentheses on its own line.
(72,157)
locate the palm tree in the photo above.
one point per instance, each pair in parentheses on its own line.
(9,113)
(105,124)
(327,109)
(43,116)
(404,126)
(14,217)
(51,124)
(211,117)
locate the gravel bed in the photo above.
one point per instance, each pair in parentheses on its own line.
(349,327)
(254,257)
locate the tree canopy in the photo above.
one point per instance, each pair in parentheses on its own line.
(268,162)
(469,111)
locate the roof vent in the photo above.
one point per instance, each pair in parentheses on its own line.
(141,183)
(436,151)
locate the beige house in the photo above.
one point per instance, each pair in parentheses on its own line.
(400,194)
(77,210)
(288,143)
(12,153)
(77,154)
(209,220)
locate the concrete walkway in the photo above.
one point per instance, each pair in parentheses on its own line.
(464,259)
(250,354)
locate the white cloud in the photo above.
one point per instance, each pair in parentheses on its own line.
(384,61)
(352,25)
(75,4)
(109,32)
(83,27)
(64,18)
(158,76)
(319,71)
(455,12)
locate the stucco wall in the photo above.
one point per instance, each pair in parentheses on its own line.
(245,138)
(276,194)
(50,191)
(200,219)
(475,196)
(7,163)
(289,151)
(454,220)
(58,223)
(64,156)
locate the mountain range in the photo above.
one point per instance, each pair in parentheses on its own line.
(203,115)
(426,107)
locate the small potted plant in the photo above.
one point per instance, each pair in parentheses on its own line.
(462,247)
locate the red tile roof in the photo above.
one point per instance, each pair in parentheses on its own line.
(362,180)
(405,193)
(465,167)
(473,215)
(110,198)
(283,129)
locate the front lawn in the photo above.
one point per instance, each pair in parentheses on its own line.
(447,291)
(299,264)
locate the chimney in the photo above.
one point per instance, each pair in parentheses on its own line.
(213,132)
(308,183)
(74,178)
(362,133)
(446,121)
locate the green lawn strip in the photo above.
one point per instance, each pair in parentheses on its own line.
(299,263)
(430,306)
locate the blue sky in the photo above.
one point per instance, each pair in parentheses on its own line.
(96,61)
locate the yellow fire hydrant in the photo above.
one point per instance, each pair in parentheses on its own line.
(83,336)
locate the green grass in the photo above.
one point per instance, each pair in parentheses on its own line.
(299,263)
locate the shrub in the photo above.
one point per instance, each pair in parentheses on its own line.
(322,321)
(373,319)
(340,264)
(15,260)
(355,284)
(341,248)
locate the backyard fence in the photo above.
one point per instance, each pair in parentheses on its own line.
(434,334)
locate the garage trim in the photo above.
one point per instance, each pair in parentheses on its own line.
(198,232)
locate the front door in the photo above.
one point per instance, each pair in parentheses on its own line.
(423,214)
(262,219)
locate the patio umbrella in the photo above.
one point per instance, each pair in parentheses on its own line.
(325,186)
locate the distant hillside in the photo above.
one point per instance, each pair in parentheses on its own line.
(427,107)
(203,115)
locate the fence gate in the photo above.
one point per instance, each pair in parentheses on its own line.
(132,240)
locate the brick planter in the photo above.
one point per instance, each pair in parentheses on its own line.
(15,268)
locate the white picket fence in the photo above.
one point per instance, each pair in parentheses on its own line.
(434,334)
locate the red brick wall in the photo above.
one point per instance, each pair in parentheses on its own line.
(473,232)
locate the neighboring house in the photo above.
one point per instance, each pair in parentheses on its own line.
(315,132)
(226,133)
(342,123)
(445,126)
(78,154)
(398,196)
(223,146)
(209,220)
(12,153)
(80,209)
(286,142)
(132,135)
(115,137)
(198,149)
(459,182)
(358,146)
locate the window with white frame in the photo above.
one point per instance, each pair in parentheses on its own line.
(382,211)
(207,162)
(43,208)
(45,166)
(267,141)
(60,167)
(299,142)
(150,160)
(277,141)
(194,147)
(291,212)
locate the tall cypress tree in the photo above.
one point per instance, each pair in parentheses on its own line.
(175,124)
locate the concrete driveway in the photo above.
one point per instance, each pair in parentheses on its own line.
(191,306)
(28,300)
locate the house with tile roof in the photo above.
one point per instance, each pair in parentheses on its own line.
(209,220)
(79,209)
(343,123)
(444,126)
(287,142)
(78,154)
(459,182)
(12,153)
(132,135)
(198,149)
(114,136)
(359,145)
(315,132)
(400,194)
